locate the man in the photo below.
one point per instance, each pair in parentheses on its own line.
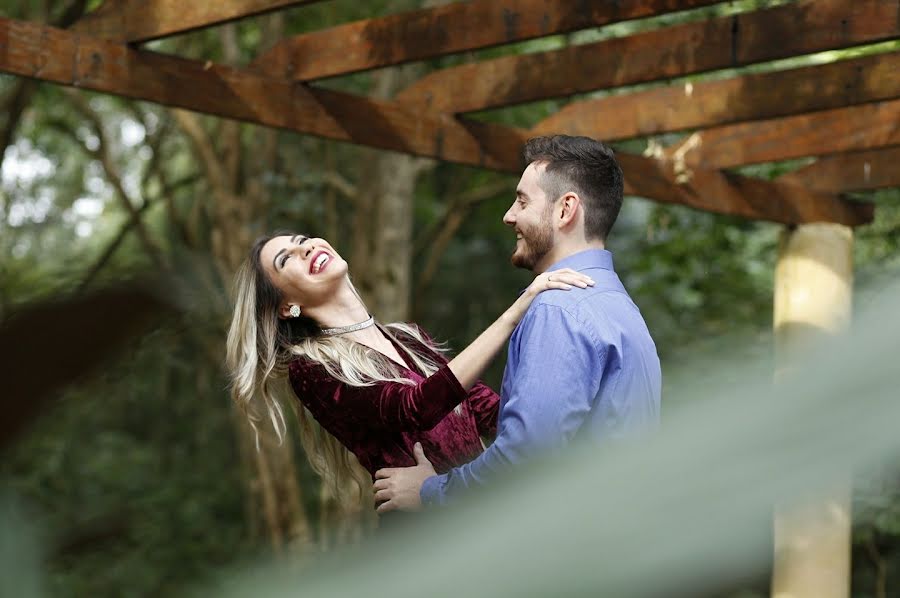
(580,362)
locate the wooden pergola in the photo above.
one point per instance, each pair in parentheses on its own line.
(846,111)
(846,114)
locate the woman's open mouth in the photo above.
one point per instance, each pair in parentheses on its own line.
(319,262)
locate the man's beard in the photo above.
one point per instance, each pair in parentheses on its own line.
(536,243)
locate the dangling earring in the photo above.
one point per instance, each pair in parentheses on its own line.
(295,311)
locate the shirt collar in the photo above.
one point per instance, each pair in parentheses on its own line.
(589,258)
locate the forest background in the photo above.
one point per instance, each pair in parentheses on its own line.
(143,480)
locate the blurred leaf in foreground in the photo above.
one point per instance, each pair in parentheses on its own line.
(47,345)
(20,558)
(687,512)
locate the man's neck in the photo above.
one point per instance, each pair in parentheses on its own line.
(564,250)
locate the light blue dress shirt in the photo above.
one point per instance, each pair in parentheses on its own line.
(581,362)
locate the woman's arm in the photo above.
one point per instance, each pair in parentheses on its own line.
(472,361)
(484,404)
(385,405)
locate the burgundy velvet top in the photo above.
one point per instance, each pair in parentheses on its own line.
(381,423)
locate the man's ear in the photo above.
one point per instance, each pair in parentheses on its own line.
(568,212)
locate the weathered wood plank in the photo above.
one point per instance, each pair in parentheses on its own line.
(49,54)
(58,56)
(803,27)
(749,97)
(728,193)
(443,30)
(856,171)
(143,20)
(817,134)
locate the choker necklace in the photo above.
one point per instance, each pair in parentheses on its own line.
(350,328)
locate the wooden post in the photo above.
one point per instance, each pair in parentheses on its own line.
(813,291)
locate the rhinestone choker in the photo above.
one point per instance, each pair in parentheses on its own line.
(350,328)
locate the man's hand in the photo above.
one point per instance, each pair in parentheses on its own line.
(397,488)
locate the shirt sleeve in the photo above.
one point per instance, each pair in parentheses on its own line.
(557,366)
(386,405)
(484,404)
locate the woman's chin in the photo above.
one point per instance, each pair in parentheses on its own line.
(336,273)
(340,267)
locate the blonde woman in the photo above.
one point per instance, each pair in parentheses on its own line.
(366,389)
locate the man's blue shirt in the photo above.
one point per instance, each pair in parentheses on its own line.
(581,362)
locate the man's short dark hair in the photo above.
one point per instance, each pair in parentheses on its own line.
(585,166)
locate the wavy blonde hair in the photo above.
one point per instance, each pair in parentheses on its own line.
(261,345)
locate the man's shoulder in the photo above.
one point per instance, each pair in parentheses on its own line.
(600,309)
(577,300)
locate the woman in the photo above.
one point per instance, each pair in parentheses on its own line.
(366,389)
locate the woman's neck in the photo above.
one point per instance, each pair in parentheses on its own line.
(344,309)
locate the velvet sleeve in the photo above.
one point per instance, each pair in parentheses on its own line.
(386,405)
(484,404)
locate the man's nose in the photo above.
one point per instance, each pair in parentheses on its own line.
(508,218)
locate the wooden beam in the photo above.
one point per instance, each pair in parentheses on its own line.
(58,56)
(143,20)
(62,57)
(749,97)
(703,189)
(67,58)
(727,193)
(800,28)
(443,30)
(857,171)
(817,134)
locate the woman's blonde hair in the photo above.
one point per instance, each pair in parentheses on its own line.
(261,345)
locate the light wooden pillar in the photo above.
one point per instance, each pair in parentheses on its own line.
(813,296)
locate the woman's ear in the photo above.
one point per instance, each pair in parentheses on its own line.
(285,313)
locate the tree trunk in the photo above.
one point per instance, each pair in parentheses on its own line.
(384,250)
